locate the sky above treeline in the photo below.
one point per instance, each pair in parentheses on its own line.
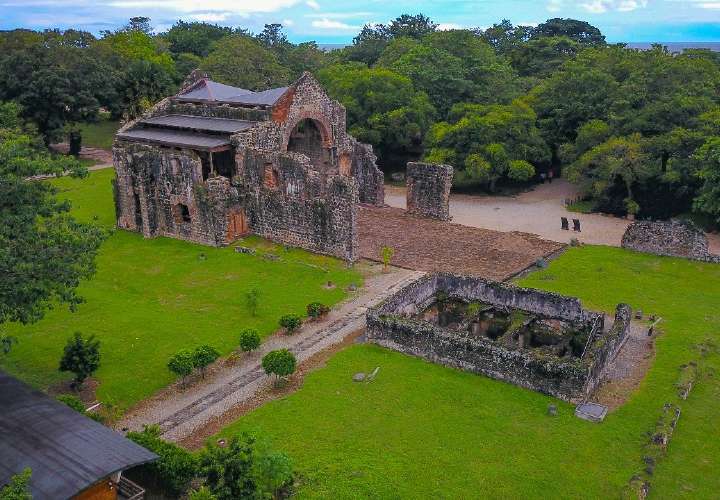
(337,21)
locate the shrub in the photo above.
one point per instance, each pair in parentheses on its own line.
(249,340)
(273,472)
(252,299)
(73,402)
(203,356)
(280,363)
(182,363)
(18,488)
(291,322)
(80,357)
(387,255)
(228,470)
(317,309)
(203,493)
(175,468)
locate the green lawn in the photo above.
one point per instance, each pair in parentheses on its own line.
(424,431)
(150,298)
(99,134)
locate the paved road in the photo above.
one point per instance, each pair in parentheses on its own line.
(180,413)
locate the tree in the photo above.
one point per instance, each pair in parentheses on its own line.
(708,160)
(18,489)
(202,493)
(175,467)
(203,356)
(482,142)
(197,38)
(579,31)
(504,37)
(182,363)
(280,363)
(291,322)
(249,340)
(45,252)
(81,357)
(317,309)
(387,255)
(383,108)
(243,62)
(228,469)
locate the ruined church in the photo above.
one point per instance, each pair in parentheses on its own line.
(214,163)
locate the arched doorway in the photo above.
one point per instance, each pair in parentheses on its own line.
(310,138)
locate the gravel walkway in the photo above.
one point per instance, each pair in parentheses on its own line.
(537,212)
(179,413)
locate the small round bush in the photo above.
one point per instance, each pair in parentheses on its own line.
(182,363)
(291,322)
(249,340)
(280,362)
(204,355)
(317,309)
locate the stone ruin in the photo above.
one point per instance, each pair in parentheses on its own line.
(428,190)
(674,238)
(214,163)
(534,339)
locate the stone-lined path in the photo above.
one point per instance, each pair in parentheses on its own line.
(180,413)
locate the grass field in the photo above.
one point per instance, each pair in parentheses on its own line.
(424,431)
(99,134)
(150,298)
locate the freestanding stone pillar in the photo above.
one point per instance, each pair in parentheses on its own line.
(428,190)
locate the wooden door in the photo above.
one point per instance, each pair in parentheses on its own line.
(237,225)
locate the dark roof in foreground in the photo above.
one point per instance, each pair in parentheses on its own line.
(66,451)
(200,123)
(209,91)
(177,138)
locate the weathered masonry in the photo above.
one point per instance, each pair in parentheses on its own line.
(673,238)
(535,339)
(428,190)
(214,163)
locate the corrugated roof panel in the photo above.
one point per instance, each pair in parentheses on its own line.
(207,90)
(175,138)
(200,123)
(66,451)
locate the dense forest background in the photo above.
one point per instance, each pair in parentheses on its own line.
(638,131)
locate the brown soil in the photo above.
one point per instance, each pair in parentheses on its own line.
(86,393)
(432,245)
(100,156)
(197,439)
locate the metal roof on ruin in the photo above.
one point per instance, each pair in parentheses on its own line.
(66,451)
(200,123)
(206,90)
(177,138)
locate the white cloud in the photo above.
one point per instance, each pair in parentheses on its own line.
(554,5)
(329,24)
(531,24)
(449,26)
(709,5)
(232,6)
(339,15)
(211,17)
(602,6)
(313,4)
(287,22)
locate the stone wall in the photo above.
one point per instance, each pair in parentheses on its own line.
(428,190)
(673,238)
(569,378)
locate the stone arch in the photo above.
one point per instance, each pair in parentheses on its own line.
(310,120)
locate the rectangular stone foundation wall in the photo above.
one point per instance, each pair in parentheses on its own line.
(570,379)
(672,238)
(428,190)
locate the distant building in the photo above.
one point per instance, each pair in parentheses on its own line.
(216,162)
(71,456)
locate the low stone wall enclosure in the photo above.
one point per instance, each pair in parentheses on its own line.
(534,339)
(674,238)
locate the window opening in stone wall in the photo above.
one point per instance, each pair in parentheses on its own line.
(206,165)
(175,166)
(224,163)
(182,213)
(307,139)
(270,176)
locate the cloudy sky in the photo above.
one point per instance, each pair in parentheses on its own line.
(337,21)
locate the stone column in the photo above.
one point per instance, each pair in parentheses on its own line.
(428,190)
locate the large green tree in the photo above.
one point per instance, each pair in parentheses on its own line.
(44,252)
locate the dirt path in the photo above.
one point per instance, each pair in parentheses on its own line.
(180,412)
(102,156)
(537,212)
